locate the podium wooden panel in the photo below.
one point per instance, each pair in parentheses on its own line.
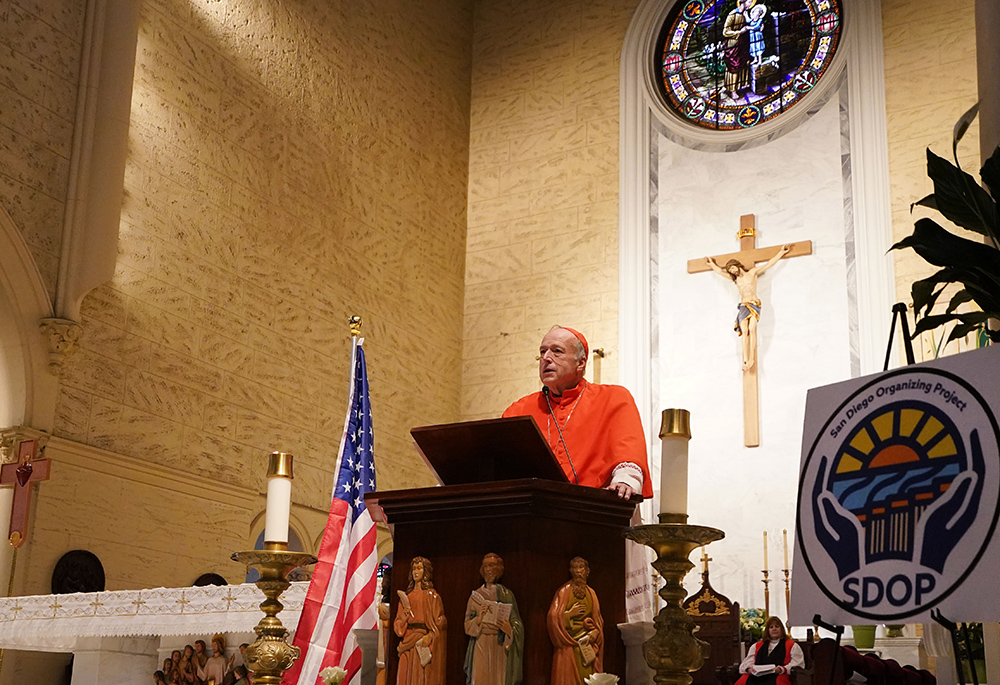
(537,526)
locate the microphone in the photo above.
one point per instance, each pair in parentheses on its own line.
(545,392)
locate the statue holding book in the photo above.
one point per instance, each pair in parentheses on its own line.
(495,629)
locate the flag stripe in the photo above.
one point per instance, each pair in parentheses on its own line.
(341,596)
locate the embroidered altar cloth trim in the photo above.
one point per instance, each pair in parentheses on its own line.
(55,621)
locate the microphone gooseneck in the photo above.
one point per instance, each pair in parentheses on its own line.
(545,391)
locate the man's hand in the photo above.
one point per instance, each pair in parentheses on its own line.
(624,491)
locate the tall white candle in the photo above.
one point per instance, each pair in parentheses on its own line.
(784,542)
(765,550)
(675,432)
(279,497)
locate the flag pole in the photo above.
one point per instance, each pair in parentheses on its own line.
(341,595)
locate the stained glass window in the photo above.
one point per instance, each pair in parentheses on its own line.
(734,64)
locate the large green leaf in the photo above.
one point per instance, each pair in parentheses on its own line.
(990,174)
(960,198)
(942,248)
(958,299)
(961,126)
(969,322)
(933,321)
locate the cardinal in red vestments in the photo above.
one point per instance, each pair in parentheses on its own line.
(594,430)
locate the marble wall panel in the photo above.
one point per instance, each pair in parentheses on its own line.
(794,186)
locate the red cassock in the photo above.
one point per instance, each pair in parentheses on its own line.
(601,427)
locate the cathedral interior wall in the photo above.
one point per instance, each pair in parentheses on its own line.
(40,46)
(543,190)
(930,81)
(450,173)
(288,167)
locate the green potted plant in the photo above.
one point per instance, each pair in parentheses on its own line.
(972,265)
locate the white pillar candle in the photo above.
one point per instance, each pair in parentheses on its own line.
(765,550)
(279,497)
(675,432)
(784,543)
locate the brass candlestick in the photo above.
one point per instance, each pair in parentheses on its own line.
(788,597)
(767,593)
(270,655)
(674,652)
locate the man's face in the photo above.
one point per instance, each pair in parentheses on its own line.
(734,271)
(491,569)
(418,572)
(578,571)
(558,367)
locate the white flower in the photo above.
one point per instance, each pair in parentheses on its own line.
(333,675)
(602,679)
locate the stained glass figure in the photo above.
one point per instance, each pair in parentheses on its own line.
(734,64)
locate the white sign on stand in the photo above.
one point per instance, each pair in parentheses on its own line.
(899,496)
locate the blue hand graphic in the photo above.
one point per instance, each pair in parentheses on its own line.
(837,530)
(946,520)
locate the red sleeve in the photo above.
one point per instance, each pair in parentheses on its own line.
(629,442)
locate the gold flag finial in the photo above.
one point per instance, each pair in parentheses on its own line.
(355,323)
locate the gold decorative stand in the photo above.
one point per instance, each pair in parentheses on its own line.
(674,652)
(270,655)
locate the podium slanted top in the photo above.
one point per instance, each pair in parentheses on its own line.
(485,451)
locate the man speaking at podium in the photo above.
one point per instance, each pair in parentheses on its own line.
(594,430)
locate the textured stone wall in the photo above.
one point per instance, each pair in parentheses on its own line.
(543,190)
(289,165)
(39,70)
(930,81)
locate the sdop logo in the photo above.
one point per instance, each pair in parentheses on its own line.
(898,498)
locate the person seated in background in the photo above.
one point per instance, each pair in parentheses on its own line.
(770,661)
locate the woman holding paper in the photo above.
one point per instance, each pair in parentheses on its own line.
(769,661)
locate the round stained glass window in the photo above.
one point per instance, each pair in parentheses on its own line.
(734,64)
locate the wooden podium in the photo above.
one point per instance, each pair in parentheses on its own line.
(537,526)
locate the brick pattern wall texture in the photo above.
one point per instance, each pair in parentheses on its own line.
(289,165)
(543,190)
(930,81)
(40,44)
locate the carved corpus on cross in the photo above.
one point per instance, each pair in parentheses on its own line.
(22,474)
(742,268)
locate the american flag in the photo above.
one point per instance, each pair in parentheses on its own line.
(341,596)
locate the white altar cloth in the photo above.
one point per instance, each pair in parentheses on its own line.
(52,623)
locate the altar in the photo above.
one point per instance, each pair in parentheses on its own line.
(123,636)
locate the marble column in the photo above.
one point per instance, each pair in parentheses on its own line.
(988,59)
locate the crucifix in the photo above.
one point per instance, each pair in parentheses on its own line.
(742,268)
(22,474)
(704,563)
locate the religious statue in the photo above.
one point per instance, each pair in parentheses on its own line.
(214,670)
(576,628)
(748,310)
(421,625)
(494,625)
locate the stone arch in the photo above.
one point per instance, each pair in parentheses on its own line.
(27,388)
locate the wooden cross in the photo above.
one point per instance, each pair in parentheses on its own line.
(704,560)
(749,256)
(22,474)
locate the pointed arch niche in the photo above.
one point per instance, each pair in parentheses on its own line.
(27,389)
(820,173)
